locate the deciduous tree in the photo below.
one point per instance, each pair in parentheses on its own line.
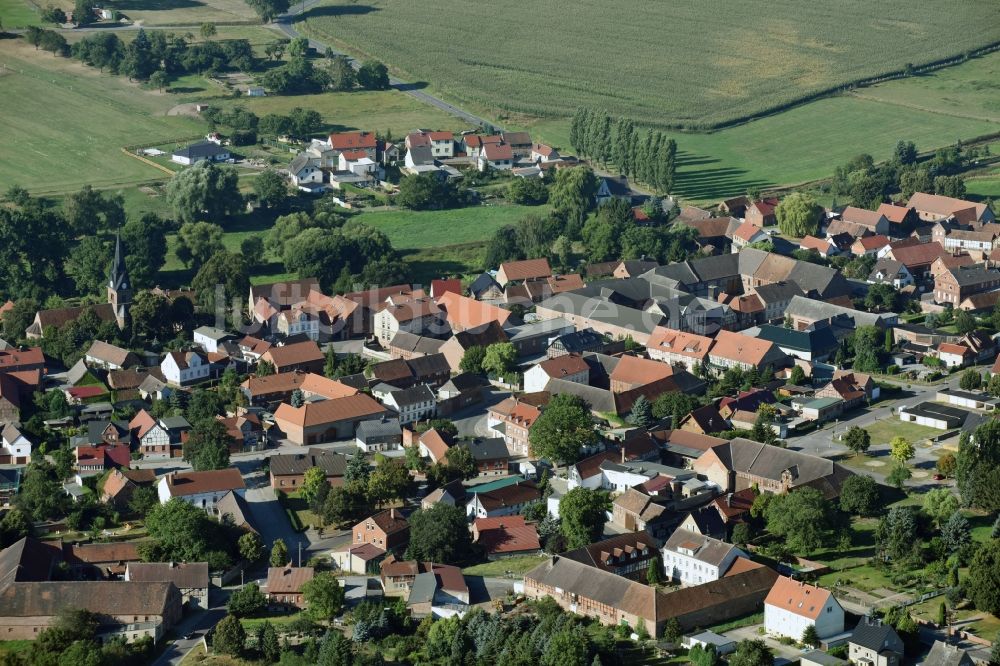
(562,429)
(798,215)
(439,534)
(324,596)
(582,513)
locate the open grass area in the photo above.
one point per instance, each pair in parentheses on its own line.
(883,431)
(278,620)
(14,647)
(66,122)
(551,59)
(382,111)
(18,14)
(428,229)
(518,565)
(184,12)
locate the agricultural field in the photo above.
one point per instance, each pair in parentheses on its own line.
(410,230)
(659,63)
(806,142)
(18,14)
(65,123)
(185,12)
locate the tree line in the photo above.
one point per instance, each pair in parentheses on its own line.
(650,158)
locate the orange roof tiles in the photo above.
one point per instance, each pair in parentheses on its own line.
(799,598)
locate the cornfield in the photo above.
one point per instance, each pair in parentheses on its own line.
(682,63)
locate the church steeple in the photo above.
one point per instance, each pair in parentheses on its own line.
(119,285)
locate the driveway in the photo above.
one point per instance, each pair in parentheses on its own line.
(783,654)
(197,623)
(272,522)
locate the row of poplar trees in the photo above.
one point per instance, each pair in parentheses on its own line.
(649,159)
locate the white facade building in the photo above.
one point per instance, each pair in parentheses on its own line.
(792,605)
(180,368)
(692,559)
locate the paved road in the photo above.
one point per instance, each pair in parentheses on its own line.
(825,442)
(286,24)
(197,624)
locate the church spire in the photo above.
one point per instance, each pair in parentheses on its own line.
(119,274)
(119,285)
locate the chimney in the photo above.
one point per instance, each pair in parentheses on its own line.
(392,513)
(623,453)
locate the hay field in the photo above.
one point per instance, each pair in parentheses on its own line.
(680,62)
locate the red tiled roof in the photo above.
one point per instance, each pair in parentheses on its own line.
(798,598)
(506,534)
(949,348)
(329,411)
(349,140)
(182,484)
(640,371)
(526,269)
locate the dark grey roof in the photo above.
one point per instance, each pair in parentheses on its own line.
(201,149)
(419,344)
(493,448)
(717,268)
(330,462)
(818,341)
(356,381)
(778,292)
(603,311)
(826,282)
(298,163)
(421,155)
(890,268)
(429,365)
(481,284)
(413,395)
(466,381)
(875,635)
(175,422)
(378,429)
(972,275)
(814,309)
(942,654)
(579,341)
(95,428)
(537,328)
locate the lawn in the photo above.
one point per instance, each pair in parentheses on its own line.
(65,123)
(382,111)
(185,12)
(556,58)
(518,564)
(883,431)
(431,229)
(18,14)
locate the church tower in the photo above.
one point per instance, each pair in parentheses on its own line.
(119,285)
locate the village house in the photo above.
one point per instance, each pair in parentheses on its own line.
(741,463)
(482,335)
(490,456)
(406,313)
(761,213)
(191,579)
(415,403)
(824,247)
(934,207)
(495,156)
(201,489)
(747,233)
(326,420)
(109,357)
(387,530)
(385,434)
(16,448)
(692,559)
(350,141)
(954,355)
(570,368)
(357,559)
(891,272)
(816,345)
(513,418)
(463,313)
(427,586)
(978,242)
(875,643)
(505,536)
(305,172)
(271,390)
(434,445)
(408,345)
(284,586)
(873,222)
(854,388)
(120,484)
(431,369)
(183,368)
(736,350)
(288,470)
(245,430)
(792,605)
(305,356)
(679,348)
(628,555)
(954,286)
(202,151)
(505,501)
